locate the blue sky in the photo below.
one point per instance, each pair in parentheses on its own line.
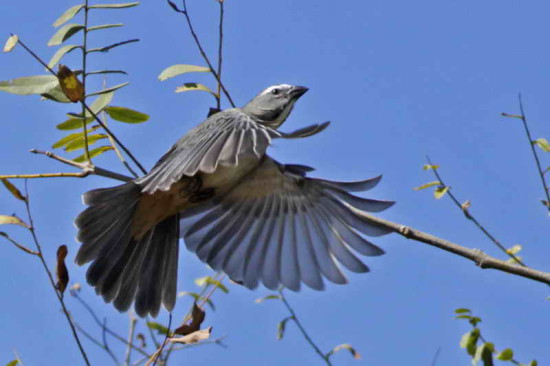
(399,80)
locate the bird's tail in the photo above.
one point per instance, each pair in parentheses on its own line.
(125,268)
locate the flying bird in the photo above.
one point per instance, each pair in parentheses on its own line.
(238,209)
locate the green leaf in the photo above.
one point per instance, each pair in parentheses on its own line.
(126,115)
(282,326)
(176,70)
(29,85)
(13,363)
(427,185)
(13,220)
(104,26)
(81,142)
(68,15)
(463,311)
(56,94)
(474,320)
(463,317)
(101,102)
(440,192)
(93,153)
(65,140)
(268,297)
(469,341)
(533,363)
(430,167)
(106,72)
(108,90)
(514,250)
(60,53)
(506,355)
(352,350)
(543,144)
(194,86)
(11,43)
(13,190)
(161,329)
(114,6)
(210,281)
(72,124)
(64,33)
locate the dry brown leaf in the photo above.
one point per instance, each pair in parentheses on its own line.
(199,335)
(61,270)
(198,316)
(11,43)
(141,338)
(71,86)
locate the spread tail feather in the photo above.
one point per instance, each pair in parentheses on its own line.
(124,268)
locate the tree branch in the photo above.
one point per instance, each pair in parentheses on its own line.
(294,318)
(50,277)
(86,168)
(535,154)
(475,255)
(185,12)
(470,217)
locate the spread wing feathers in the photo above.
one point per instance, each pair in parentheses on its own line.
(124,269)
(223,139)
(304,132)
(280,227)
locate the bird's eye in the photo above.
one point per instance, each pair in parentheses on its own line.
(275,91)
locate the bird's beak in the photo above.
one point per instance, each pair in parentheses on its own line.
(297,91)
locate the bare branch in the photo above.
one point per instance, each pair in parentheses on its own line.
(86,168)
(475,255)
(535,154)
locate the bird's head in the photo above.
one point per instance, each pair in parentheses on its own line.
(273,105)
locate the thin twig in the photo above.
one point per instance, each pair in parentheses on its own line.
(220,55)
(104,338)
(96,342)
(50,277)
(535,154)
(109,132)
(158,353)
(475,255)
(470,217)
(108,330)
(81,174)
(185,12)
(294,318)
(115,147)
(133,321)
(84,61)
(86,168)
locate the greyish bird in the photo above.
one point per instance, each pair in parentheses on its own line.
(238,209)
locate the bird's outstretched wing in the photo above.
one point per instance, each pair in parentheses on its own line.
(223,139)
(282,228)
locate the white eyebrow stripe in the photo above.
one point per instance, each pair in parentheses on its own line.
(284,86)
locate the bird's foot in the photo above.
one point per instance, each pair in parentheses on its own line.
(192,186)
